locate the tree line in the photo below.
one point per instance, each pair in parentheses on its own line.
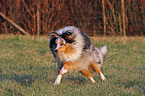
(95,17)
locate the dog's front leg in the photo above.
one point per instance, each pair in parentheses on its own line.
(65,67)
(58,79)
(63,71)
(58,76)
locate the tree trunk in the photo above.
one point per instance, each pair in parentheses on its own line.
(13,23)
(5,23)
(38,18)
(104,17)
(123,17)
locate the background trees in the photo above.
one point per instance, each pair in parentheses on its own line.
(95,17)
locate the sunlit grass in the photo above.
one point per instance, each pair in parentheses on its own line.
(27,68)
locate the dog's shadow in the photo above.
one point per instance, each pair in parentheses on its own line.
(74,79)
(25,80)
(28,80)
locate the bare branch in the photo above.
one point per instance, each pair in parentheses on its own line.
(27,8)
(14,24)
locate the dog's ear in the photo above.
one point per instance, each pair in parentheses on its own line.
(68,36)
(68,33)
(53,34)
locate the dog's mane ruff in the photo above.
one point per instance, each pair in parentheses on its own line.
(77,45)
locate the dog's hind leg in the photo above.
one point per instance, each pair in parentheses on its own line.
(97,69)
(102,76)
(85,73)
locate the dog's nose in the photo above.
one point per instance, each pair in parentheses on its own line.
(56,51)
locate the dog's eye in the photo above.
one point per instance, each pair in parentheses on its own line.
(61,44)
(68,33)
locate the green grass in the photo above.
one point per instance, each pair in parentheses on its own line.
(27,68)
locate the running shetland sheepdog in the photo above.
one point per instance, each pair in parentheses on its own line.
(73,50)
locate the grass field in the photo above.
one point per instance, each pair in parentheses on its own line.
(27,68)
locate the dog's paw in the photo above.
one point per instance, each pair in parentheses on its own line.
(58,79)
(92,79)
(56,83)
(63,71)
(102,76)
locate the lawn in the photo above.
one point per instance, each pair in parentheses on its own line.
(27,68)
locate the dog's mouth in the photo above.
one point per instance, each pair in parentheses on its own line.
(57,53)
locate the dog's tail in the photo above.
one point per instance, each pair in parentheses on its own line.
(104,52)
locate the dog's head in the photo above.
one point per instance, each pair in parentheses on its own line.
(68,43)
(58,45)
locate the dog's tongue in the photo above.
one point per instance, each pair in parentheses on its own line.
(57,53)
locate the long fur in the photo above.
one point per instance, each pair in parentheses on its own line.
(77,45)
(77,50)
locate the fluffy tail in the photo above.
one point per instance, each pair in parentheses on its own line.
(104,52)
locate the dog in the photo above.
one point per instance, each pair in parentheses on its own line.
(73,51)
